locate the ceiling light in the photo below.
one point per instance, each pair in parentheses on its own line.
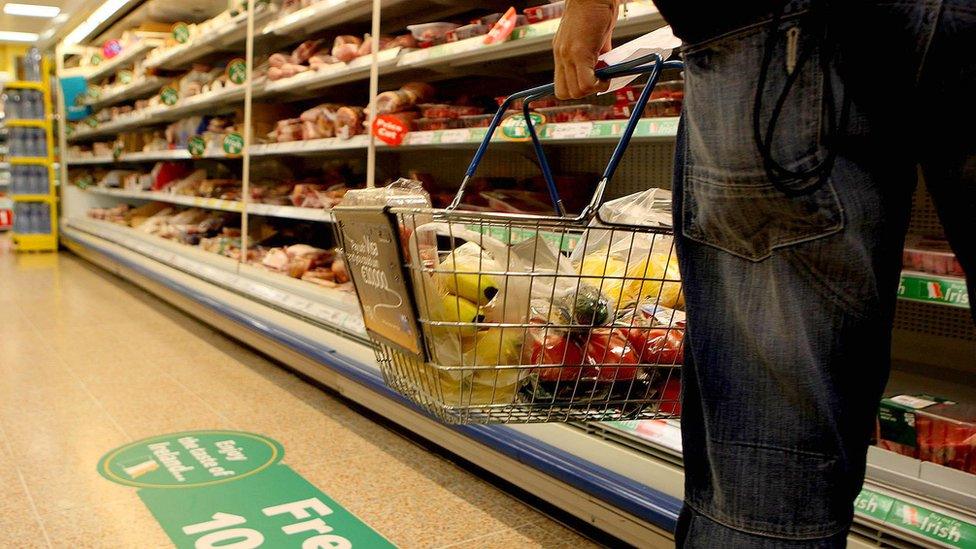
(97,17)
(13,36)
(31,10)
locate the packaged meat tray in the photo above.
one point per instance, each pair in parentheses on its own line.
(538,104)
(432,110)
(660,108)
(898,418)
(931,256)
(431,34)
(575,113)
(476,120)
(947,435)
(674,89)
(490,20)
(545,12)
(467,31)
(429,124)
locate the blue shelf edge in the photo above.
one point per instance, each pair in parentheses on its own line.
(619,491)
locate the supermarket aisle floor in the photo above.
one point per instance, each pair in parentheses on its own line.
(89,362)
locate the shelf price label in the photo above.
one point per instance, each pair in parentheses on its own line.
(514,127)
(237,70)
(111,48)
(233,144)
(95,60)
(125,77)
(181,32)
(390,129)
(91,121)
(196,145)
(169,95)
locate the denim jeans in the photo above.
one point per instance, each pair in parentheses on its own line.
(790,299)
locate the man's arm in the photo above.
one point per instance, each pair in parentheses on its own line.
(584,33)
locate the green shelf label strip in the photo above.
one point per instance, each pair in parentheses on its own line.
(933,289)
(915,519)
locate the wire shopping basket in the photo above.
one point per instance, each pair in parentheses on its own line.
(489,317)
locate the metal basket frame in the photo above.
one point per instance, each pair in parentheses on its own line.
(513,391)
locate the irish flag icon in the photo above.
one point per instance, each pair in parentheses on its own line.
(935,290)
(909,515)
(140,467)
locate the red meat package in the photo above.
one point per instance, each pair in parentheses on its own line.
(898,421)
(946,434)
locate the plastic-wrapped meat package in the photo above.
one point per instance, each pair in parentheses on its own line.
(321,276)
(291,69)
(278,60)
(402,41)
(275,259)
(346,47)
(305,50)
(947,435)
(321,60)
(406,98)
(366,48)
(306,195)
(349,122)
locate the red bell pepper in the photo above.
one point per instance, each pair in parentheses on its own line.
(610,356)
(658,345)
(560,357)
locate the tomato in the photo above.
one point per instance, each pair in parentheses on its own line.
(561,356)
(671,396)
(658,345)
(608,347)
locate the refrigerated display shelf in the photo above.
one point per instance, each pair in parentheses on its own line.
(930,288)
(145,156)
(320,15)
(269,210)
(640,17)
(229,37)
(131,54)
(195,104)
(575,133)
(334,309)
(133,90)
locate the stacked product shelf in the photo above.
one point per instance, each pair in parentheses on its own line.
(30,154)
(624,477)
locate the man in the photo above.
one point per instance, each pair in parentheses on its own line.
(803,126)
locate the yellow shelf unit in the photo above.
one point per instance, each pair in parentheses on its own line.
(24,85)
(38,242)
(22,123)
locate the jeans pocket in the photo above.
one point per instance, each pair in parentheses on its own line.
(750,218)
(728,200)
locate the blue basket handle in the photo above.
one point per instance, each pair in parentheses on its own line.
(650,64)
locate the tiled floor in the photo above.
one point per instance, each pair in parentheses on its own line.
(89,362)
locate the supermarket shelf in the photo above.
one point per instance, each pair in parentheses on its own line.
(270,210)
(308,82)
(127,56)
(134,90)
(195,104)
(229,37)
(33,198)
(322,14)
(541,459)
(35,242)
(24,85)
(930,288)
(572,133)
(25,123)
(144,156)
(640,17)
(28,160)
(334,308)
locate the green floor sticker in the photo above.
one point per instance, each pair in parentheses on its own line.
(228,489)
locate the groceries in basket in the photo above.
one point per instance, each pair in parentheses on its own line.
(509,318)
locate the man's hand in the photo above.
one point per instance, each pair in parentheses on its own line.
(584,33)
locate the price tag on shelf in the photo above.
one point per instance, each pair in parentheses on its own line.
(125,77)
(181,33)
(459,135)
(237,70)
(514,127)
(95,60)
(233,144)
(420,138)
(196,145)
(571,130)
(390,129)
(169,95)
(111,48)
